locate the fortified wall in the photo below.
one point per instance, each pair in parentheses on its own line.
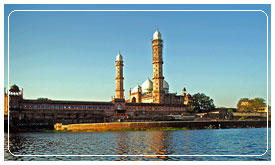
(162,124)
(45,113)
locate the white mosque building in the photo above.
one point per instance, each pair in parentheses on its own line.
(151,91)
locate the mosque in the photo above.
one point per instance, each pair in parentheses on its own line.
(156,91)
(150,100)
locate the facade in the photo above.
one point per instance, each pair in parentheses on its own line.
(262,109)
(150,101)
(157,91)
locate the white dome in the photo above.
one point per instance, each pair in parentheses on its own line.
(147,86)
(119,57)
(165,86)
(157,35)
(136,89)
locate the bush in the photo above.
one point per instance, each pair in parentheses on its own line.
(242,118)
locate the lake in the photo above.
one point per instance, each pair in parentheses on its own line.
(243,141)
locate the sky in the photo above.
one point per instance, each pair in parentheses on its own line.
(70,55)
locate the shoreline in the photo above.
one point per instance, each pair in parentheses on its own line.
(160,125)
(132,129)
(147,126)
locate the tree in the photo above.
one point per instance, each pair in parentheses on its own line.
(257,103)
(230,110)
(202,103)
(43,99)
(243,105)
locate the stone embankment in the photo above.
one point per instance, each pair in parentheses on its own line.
(116,126)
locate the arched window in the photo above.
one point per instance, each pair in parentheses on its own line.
(119,106)
(133,100)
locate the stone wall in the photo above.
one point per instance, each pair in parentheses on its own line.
(248,114)
(47,118)
(161,124)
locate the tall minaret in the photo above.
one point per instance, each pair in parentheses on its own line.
(119,77)
(158,93)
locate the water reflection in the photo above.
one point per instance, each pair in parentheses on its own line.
(122,145)
(160,144)
(190,142)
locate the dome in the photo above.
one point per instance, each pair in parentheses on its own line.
(136,89)
(147,86)
(165,86)
(119,57)
(14,88)
(157,35)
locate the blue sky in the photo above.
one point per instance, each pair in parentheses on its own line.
(70,55)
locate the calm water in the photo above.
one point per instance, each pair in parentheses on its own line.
(244,141)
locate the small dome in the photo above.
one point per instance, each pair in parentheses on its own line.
(157,35)
(165,86)
(14,88)
(136,89)
(147,86)
(119,57)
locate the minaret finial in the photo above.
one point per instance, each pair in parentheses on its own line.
(119,57)
(157,35)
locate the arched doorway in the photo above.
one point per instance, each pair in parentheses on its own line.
(133,100)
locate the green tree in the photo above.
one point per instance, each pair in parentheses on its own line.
(257,103)
(202,103)
(43,99)
(230,110)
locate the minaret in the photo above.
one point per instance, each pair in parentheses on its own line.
(119,77)
(184,92)
(158,93)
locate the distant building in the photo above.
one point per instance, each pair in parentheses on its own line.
(149,100)
(262,109)
(246,105)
